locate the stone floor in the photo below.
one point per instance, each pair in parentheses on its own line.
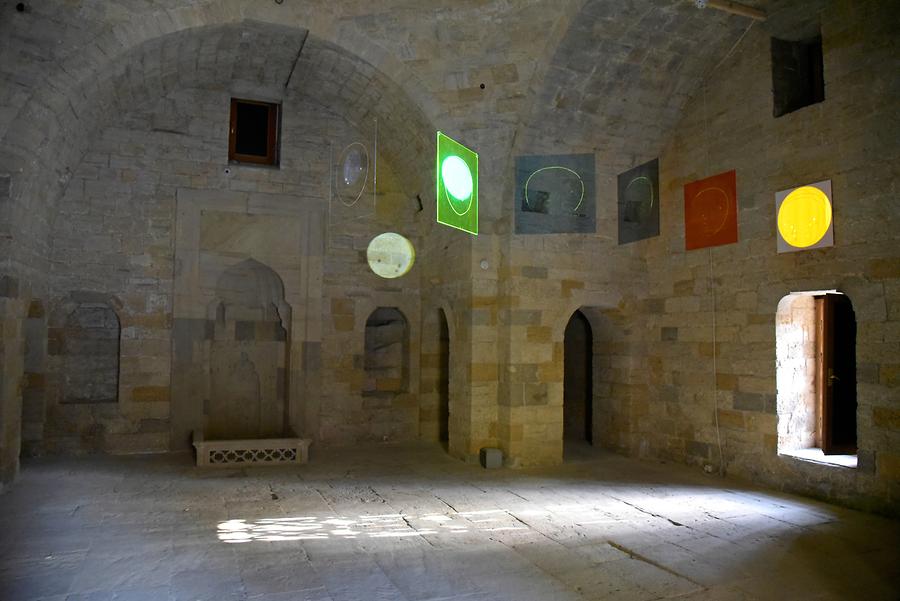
(409,523)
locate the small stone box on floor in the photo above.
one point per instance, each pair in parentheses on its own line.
(491,458)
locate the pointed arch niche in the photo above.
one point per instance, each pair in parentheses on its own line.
(596,377)
(245,348)
(249,355)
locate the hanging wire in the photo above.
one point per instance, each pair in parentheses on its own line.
(711,281)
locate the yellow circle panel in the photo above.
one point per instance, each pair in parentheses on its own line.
(390,255)
(804,217)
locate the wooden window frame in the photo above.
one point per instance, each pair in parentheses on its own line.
(274,114)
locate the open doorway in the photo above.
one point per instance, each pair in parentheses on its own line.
(816,377)
(578,359)
(444,381)
(836,374)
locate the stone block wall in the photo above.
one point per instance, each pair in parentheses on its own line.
(132,106)
(12,368)
(850,138)
(115,236)
(795,349)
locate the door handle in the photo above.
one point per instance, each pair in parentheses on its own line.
(831,377)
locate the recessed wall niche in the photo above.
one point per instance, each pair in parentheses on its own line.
(798,77)
(90,354)
(386,358)
(248,355)
(246,337)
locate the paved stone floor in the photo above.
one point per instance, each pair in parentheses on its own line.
(409,523)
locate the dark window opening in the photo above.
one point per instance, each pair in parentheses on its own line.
(253,132)
(797,74)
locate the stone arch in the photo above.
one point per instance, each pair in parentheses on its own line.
(437,379)
(252,284)
(612,370)
(578,369)
(816,376)
(249,355)
(146,54)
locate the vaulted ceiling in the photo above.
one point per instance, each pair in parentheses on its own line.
(573,75)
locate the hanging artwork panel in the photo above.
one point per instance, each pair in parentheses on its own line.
(456,176)
(710,211)
(805,217)
(639,202)
(555,194)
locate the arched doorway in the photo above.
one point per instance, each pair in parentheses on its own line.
(443,381)
(816,404)
(578,385)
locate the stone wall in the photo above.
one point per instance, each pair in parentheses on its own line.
(12,353)
(795,371)
(116,236)
(132,107)
(851,139)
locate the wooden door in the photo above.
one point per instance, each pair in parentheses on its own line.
(836,374)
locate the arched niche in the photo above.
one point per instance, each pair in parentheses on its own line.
(84,331)
(578,390)
(90,354)
(248,355)
(443,379)
(611,371)
(386,352)
(815,374)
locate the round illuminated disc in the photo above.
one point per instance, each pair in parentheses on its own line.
(457,177)
(804,217)
(390,255)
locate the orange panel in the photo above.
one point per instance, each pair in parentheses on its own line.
(710,211)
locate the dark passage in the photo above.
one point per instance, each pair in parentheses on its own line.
(577,379)
(837,388)
(444,380)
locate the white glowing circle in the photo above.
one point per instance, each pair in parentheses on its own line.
(457,177)
(390,255)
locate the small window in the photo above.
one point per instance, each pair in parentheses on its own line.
(253,135)
(797,74)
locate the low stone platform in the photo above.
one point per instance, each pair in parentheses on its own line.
(260,451)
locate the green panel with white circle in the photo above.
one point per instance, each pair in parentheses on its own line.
(390,255)
(456,172)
